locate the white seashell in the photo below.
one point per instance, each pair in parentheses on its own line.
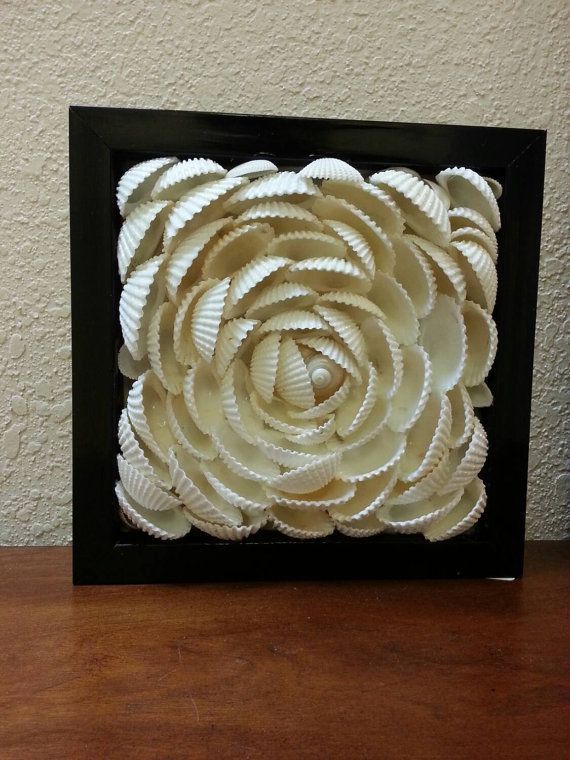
(427,440)
(421,206)
(200,206)
(332,495)
(495,185)
(236,405)
(286,457)
(329,405)
(329,273)
(467,188)
(138,456)
(185,176)
(480,395)
(196,492)
(462,415)
(347,330)
(284,295)
(374,457)
(404,169)
(440,192)
(184,348)
(415,387)
(354,412)
(414,273)
(424,487)
(230,340)
(167,524)
(370,495)
(308,477)
(356,306)
(243,458)
(300,523)
(364,527)
(282,216)
(263,366)
(331,168)
(463,516)
(448,275)
(358,249)
(246,283)
(259,167)
(320,434)
(207,318)
(466,463)
(161,349)
(183,267)
(442,334)
(203,398)
(475,235)
(136,183)
(332,209)
(142,295)
(277,416)
(323,374)
(461,216)
(144,491)
(419,516)
(481,343)
(371,200)
(184,429)
(147,413)
(384,350)
(129,367)
(306,244)
(140,236)
(292,380)
(396,306)
(244,494)
(294,319)
(287,186)
(479,272)
(251,524)
(236,249)
(369,429)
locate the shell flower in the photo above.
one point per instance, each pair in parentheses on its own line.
(305,351)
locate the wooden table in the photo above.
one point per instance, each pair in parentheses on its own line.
(376,669)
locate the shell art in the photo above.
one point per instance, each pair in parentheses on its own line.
(304,351)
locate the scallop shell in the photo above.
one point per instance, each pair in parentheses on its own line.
(481,343)
(414,274)
(347,330)
(320,434)
(287,186)
(480,395)
(138,456)
(444,337)
(329,405)
(475,235)
(461,216)
(308,477)
(284,456)
(185,176)
(356,306)
(252,523)
(284,217)
(463,516)
(197,494)
(146,407)
(479,272)
(462,415)
(263,366)
(292,380)
(364,527)
(370,495)
(184,429)
(300,523)
(200,206)
(371,200)
(427,440)
(466,462)
(354,412)
(336,353)
(383,349)
(294,319)
(141,296)
(306,244)
(277,416)
(231,338)
(415,387)
(161,349)
(140,235)
(336,492)
(284,295)
(144,491)
(372,458)
(183,267)
(396,306)
(243,458)
(236,249)
(448,275)
(129,367)
(422,208)
(331,168)
(207,318)
(467,188)
(329,273)
(332,209)
(358,248)
(495,185)
(259,167)
(244,494)
(136,183)
(203,398)
(167,524)
(182,334)
(369,429)
(424,487)
(247,282)
(419,516)
(236,405)
(440,192)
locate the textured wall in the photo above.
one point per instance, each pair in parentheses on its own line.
(455,61)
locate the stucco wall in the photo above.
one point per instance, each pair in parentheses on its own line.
(457,61)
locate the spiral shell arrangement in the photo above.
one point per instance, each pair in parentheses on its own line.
(306,349)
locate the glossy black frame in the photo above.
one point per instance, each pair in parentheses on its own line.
(104,142)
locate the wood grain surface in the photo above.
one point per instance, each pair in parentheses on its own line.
(376,669)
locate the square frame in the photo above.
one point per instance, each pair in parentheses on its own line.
(103,143)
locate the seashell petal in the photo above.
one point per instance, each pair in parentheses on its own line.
(207,318)
(236,249)
(161,349)
(166,524)
(475,235)
(184,429)
(263,366)
(448,275)
(336,492)
(364,527)
(286,457)
(203,398)
(495,185)
(243,458)
(129,367)
(467,188)
(463,516)
(373,457)
(138,456)
(370,495)
(396,306)
(251,524)
(443,336)
(300,523)
(461,216)
(244,494)
(331,168)
(356,306)
(346,329)
(135,185)
(414,274)
(306,244)
(317,435)
(371,200)
(329,405)
(184,348)
(466,463)
(284,295)
(481,343)
(287,186)
(369,429)
(354,412)
(292,380)
(427,440)
(424,487)
(142,295)
(282,216)
(230,340)
(383,349)
(246,283)
(480,395)
(147,413)
(140,236)
(415,387)
(185,176)
(358,249)
(236,405)
(462,415)
(478,271)
(329,273)
(421,206)
(419,516)
(259,167)
(276,415)
(144,491)
(308,477)
(293,319)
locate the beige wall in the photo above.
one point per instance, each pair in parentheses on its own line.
(495,62)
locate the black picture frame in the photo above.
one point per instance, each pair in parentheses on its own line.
(103,143)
